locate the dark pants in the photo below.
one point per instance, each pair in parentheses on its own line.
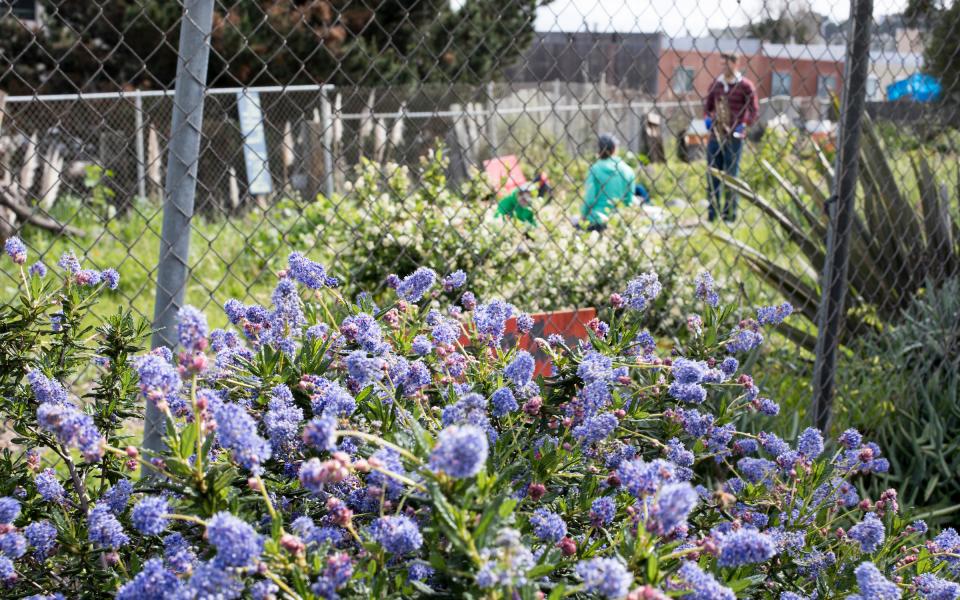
(601,227)
(724,157)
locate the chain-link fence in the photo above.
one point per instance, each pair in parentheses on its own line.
(379,136)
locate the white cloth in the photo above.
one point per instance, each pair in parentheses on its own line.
(737,78)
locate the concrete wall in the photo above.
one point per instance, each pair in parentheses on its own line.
(626,60)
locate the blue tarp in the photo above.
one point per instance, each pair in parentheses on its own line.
(918,87)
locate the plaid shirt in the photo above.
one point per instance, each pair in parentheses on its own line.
(740,96)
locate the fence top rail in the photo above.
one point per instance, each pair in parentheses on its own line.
(550,108)
(135,94)
(159,93)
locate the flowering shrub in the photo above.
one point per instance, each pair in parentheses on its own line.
(321,448)
(392,220)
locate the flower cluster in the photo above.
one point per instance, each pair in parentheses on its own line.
(322,448)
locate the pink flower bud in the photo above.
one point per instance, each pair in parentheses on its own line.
(568,547)
(532,406)
(536,491)
(292,544)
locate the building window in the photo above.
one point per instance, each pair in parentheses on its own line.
(682,80)
(826,85)
(24,9)
(781,83)
(873,88)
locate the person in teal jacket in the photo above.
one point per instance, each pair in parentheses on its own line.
(609,181)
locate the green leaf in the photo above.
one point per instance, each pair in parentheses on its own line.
(653,567)
(178,466)
(500,507)
(557,592)
(931,486)
(936,220)
(222,480)
(741,584)
(448,519)
(541,570)
(188,439)
(507,508)
(423,588)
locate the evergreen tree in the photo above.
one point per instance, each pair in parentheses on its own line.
(943,50)
(112,44)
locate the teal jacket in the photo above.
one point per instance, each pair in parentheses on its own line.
(609,181)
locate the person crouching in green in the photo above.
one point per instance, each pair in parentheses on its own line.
(518,203)
(609,181)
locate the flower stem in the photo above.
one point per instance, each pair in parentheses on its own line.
(353,532)
(266,497)
(143,462)
(681,553)
(400,478)
(77,483)
(281,584)
(198,423)
(188,518)
(26,285)
(379,441)
(323,304)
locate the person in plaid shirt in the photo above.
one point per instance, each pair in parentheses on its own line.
(731,106)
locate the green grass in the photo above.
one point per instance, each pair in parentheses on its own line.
(228,257)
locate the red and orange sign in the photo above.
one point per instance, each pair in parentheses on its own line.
(571,324)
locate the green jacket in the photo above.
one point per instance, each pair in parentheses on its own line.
(609,181)
(509,206)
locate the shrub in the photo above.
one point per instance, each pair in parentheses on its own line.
(310,453)
(392,221)
(904,386)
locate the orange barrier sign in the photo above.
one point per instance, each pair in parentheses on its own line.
(571,324)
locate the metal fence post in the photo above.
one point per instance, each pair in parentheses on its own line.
(841,208)
(326,135)
(181,186)
(141,161)
(492,120)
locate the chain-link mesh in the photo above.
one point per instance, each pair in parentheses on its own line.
(379,136)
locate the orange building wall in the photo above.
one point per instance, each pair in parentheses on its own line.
(758,68)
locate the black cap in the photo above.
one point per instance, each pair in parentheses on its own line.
(606,143)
